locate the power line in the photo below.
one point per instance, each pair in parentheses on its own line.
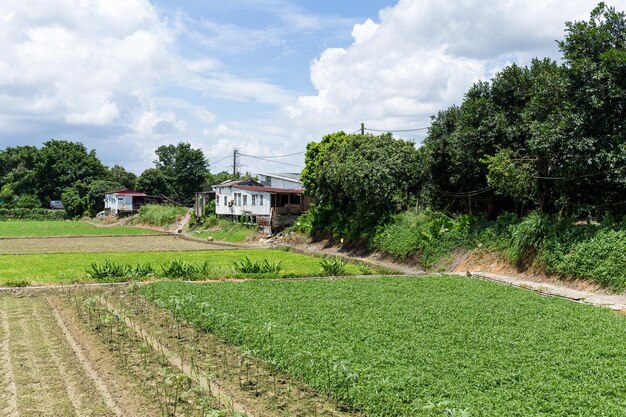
(580,176)
(274,156)
(221,159)
(396,130)
(270,160)
(465,194)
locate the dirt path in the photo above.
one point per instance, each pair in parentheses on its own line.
(600,299)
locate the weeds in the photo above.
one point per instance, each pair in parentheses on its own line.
(249,266)
(333,265)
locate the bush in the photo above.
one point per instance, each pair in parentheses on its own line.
(32,214)
(249,266)
(601,258)
(333,266)
(160,215)
(114,271)
(185,270)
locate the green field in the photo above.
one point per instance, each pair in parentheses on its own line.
(440,346)
(70,267)
(26,228)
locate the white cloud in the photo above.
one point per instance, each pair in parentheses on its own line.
(421,57)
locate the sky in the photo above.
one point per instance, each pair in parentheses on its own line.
(262,76)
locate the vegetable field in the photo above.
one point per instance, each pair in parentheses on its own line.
(420,346)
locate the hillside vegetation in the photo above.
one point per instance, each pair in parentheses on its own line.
(515,168)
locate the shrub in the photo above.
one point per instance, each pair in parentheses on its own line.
(114,271)
(250,266)
(601,258)
(179,269)
(333,265)
(17,283)
(32,214)
(160,215)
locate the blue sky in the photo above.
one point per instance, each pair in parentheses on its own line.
(263,76)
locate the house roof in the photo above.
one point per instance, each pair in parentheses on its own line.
(270,189)
(230,183)
(289,176)
(128,192)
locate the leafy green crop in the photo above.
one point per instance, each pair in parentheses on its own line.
(428,346)
(333,265)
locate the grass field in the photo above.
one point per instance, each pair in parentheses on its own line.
(225,231)
(70,267)
(422,346)
(25,228)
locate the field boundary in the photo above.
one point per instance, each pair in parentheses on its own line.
(81,236)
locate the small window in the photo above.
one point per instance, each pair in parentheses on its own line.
(245,199)
(120,199)
(217,200)
(260,199)
(254,199)
(225,200)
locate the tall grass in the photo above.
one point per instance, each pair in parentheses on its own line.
(160,215)
(560,246)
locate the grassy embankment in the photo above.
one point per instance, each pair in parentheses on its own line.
(421,346)
(222,230)
(559,246)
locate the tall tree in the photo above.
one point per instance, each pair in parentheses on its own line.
(359,180)
(184,167)
(59,164)
(118,174)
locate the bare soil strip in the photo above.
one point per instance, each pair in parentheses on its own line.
(9,389)
(82,359)
(40,388)
(96,244)
(84,396)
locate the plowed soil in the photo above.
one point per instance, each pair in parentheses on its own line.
(49,367)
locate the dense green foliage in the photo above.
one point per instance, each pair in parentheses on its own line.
(558,245)
(31,214)
(416,346)
(46,227)
(548,137)
(357,180)
(160,215)
(67,171)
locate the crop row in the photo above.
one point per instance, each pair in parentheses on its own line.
(177,268)
(420,346)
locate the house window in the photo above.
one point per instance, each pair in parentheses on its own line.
(245,199)
(254,199)
(260,199)
(237,199)
(225,200)
(217,200)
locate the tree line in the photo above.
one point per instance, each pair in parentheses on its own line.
(549,137)
(31,177)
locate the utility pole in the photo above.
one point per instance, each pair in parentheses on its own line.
(235,163)
(363,128)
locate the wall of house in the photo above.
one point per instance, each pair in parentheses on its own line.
(228,203)
(118,203)
(280,182)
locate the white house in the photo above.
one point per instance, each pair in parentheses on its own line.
(287,180)
(124,201)
(268,206)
